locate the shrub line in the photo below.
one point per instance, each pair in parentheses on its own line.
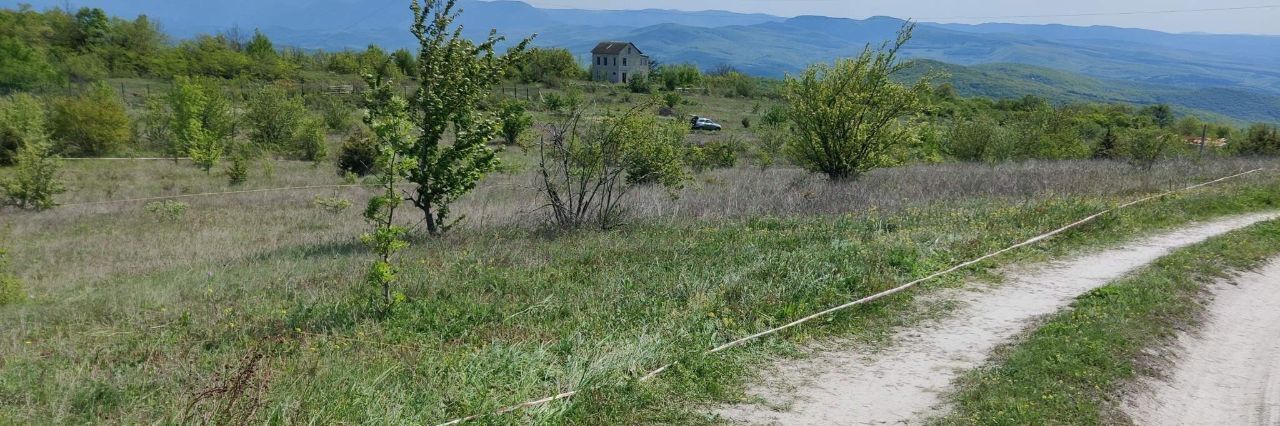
(862,301)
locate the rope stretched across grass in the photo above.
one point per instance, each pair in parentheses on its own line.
(862,301)
(212,194)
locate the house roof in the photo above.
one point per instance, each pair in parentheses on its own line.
(613,47)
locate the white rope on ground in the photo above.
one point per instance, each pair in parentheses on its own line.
(861,301)
(121,158)
(210,194)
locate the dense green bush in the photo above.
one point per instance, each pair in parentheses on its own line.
(339,116)
(92,124)
(23,66)
(274,117)
(653,150)
(22,121)
(311,143)
(673,77)
(515,120)
(719,154)
(1259,139)
(35,179)
(550,66)
(359,153)
(850,117)
(1143,147)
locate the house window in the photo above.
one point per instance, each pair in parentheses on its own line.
(624,77)
(624,62)
(615,61)
(597,60)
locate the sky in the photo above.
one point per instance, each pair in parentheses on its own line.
(1254,20)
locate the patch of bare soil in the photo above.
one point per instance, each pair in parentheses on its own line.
(903,383)
(1228,371)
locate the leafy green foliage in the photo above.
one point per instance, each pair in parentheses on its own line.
(456,76)
(22,122)
(274,117)
(652,150)
(1260,139)
(339,115)
(35,179)
(23,66)
(848,117)
(310,141)
(718,154)
(672,77)
(203,121)
(515,120)
(154,127)
(549,66)
(1144,147)
(388,118)
(91,124)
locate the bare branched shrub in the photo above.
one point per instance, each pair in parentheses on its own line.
(234,397)
(587,168)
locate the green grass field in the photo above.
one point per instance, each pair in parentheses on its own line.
(252,307)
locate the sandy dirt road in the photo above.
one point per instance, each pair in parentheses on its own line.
(903,383)
(1228,371)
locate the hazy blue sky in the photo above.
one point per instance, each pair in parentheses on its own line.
(1254,21)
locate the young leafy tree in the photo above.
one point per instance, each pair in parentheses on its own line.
(203,121)
(388,119)
(456,75)
(847,117)
(34,181)
(515,120)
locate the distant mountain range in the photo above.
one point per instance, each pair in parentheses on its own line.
(1231,75)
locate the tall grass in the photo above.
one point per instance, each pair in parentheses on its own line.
(134,319)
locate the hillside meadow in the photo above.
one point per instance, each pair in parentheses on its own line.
(251,307)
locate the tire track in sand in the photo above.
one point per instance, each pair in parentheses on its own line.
(1228,371)
(903,383)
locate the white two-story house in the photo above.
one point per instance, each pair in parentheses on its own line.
(617,62)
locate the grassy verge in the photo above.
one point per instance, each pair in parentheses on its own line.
(494,316)
(1069,369)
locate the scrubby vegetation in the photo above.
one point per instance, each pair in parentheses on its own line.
(255,304)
